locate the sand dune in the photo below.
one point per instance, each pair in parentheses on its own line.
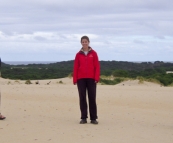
(137,83)
(128,113)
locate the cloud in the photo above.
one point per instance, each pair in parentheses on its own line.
(139,41)
(123,30)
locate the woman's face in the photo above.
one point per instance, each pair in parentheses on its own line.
(85,43)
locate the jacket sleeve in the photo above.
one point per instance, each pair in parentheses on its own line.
(97,67)
(75,69)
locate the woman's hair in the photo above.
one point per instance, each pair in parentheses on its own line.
(85,37)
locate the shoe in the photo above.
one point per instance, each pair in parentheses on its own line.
(2,117)
(94,122)
(83,121)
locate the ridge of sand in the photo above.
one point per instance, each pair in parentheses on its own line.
(68,80)
(137,83)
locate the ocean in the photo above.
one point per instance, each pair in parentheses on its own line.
(27,62)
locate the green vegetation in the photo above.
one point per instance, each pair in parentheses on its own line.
(28,82)
(117,71)
(16,81)
(9,82)
(60,82)
(37,71)
(111,82)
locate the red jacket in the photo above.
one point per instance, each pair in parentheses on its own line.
(86,66)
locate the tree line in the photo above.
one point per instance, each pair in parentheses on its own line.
(118,69)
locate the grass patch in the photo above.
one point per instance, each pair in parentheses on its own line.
(111,82)
(153,80)
(70,75)
(141,80)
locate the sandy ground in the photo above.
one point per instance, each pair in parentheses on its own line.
(128,113)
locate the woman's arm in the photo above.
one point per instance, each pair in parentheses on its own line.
(75,69)
(97,68)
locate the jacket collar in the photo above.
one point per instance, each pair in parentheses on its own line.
(82,51)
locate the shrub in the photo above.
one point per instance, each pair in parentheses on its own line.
(16,81)
(60,82)
(9,82)
(28,82)
(111,82)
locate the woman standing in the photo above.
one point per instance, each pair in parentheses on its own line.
(86,74)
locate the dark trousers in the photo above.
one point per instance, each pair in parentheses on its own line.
(87,85)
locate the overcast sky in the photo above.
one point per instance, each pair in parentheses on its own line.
(121,30)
